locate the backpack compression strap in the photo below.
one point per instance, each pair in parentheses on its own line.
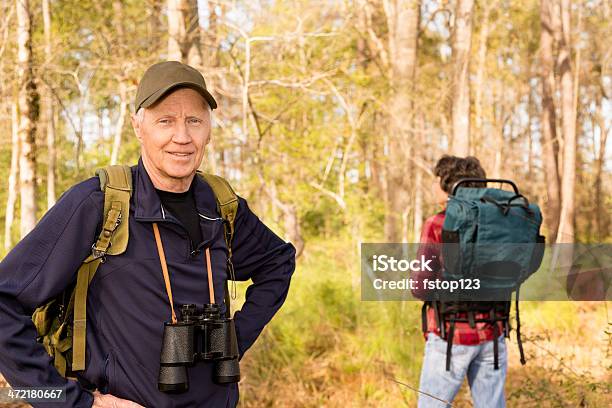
(116,183)
(227,205)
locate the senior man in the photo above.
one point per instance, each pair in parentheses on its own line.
(127,303)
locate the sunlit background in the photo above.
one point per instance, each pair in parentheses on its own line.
(331,117)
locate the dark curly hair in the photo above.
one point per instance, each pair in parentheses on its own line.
(451,169)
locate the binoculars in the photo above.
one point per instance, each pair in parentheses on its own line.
(200,335)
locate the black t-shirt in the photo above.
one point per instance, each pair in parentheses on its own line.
(182,206)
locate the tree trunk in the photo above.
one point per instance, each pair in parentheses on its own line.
(122,77)
(184,32)
(601,215)
(499,151)
(120,122)
(380,179)
(49,114)
(210,37)
(499,121)
(403,24)
(291,220)
(418,182)
(154,21)
(461,43)
(292,229)
(548,118)
(211,52)
(28,115)
(13,177)
(479,82)
(568,120)
(529,132)
(176,31)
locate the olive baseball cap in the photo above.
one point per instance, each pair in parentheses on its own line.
(159,79)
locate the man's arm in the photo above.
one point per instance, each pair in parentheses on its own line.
(429,247)
(260,255)
(39,267)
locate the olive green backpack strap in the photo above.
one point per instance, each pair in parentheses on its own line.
(116,183)
(227,205)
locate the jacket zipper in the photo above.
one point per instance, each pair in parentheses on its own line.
(210,219)
(192,251)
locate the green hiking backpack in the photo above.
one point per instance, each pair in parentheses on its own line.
(493,236)
(61,322)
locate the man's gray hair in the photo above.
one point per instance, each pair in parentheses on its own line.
(140,116)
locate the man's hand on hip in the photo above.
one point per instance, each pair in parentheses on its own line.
(108,401)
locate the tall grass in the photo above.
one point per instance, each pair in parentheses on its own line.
(328,348)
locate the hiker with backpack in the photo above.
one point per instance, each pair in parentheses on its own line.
(112,279)
(465,333)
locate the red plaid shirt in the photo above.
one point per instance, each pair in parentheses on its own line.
(464,334)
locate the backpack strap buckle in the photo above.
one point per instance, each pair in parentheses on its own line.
(97,253)
(103,243)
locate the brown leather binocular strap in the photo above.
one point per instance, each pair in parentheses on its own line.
(211,288)
(164,266)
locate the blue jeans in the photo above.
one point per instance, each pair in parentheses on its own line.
(486,383)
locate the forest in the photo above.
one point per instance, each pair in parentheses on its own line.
(332,115)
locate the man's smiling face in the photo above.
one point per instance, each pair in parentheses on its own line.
(173,134)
